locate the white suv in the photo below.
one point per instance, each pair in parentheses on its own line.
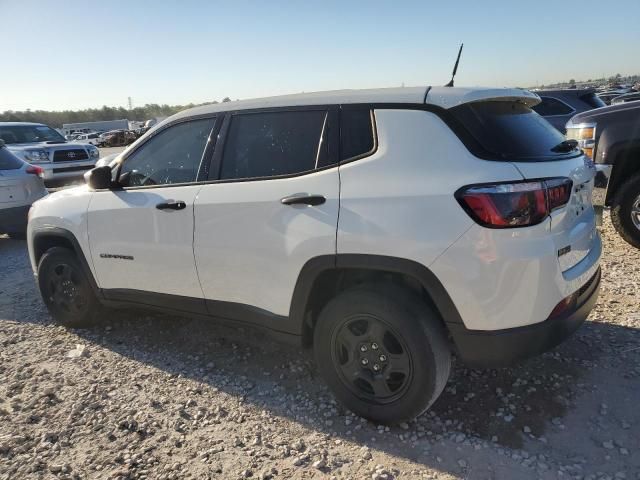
(383,228)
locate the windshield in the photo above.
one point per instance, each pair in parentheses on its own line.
(29,134)
(512,131)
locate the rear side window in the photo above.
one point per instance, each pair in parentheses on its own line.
(593,100)
(8,161)
(511,131)
(550,106)
(275,143)
(356,133)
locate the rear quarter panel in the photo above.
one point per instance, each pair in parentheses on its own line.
(400,201)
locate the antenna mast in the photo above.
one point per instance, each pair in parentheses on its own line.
(455,67)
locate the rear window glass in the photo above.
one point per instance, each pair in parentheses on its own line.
(511,130)
(8,160)
(356,133)
(593,100)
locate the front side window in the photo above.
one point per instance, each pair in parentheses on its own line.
(171,156)
(550,106)
(275,143)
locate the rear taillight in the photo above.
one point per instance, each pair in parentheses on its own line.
(558,192)
(35,170)
(518,204)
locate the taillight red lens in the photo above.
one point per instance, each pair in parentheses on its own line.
(558,192)
(35,170)
(518,204)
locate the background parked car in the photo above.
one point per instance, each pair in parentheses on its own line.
(610,136)
(40,144)
(558,106)
(20,185)
(608,95)
(90,138)
(117,138)
(627,97)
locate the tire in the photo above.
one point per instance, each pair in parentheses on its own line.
(66,290)
(626,206)
(393,329)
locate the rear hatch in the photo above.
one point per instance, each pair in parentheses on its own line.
(510,131)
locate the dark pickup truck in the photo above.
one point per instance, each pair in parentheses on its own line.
(611,137)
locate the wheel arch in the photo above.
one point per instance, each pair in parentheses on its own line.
(323,277)
(48,238)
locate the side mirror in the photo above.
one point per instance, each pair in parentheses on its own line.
(98,178)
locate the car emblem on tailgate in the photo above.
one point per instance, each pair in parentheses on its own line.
(71,155)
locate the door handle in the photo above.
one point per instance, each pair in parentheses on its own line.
(171,205)
(313,200)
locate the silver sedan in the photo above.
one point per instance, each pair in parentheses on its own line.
(21,184)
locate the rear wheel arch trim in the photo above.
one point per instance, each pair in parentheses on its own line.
(61,233)
(318,265)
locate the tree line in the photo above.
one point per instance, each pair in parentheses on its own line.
(55,119)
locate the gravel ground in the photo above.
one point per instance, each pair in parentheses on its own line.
(158,397)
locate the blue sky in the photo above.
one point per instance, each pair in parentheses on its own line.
(79,54)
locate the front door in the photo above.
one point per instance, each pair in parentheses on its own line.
(141,236)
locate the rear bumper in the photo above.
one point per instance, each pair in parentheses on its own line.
(14,220)
(498,348)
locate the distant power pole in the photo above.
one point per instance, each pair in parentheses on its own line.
(130,103)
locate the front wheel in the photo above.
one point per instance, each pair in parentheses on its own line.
(383,352)
(625,211)
(66,290)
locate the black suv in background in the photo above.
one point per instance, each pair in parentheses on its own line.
(558,106)
(611,137)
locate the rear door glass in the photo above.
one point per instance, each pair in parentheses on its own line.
(511,131)
(270,144)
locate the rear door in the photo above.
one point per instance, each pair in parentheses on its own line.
(273,206)
(141,236)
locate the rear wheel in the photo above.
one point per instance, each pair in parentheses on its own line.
(625,211)
(66,290)
(383,352)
